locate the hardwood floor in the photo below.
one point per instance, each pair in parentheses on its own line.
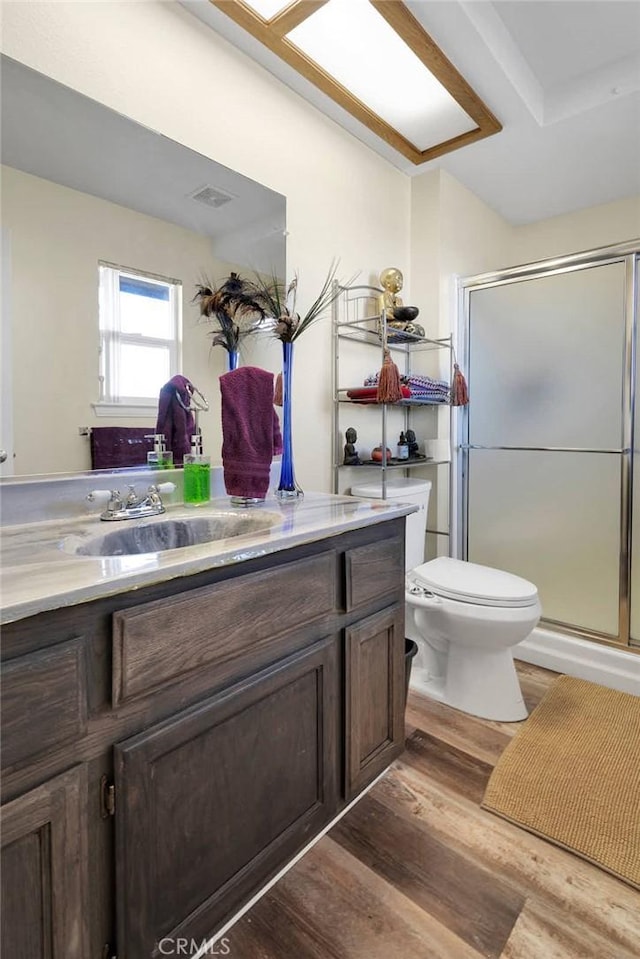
(417,870)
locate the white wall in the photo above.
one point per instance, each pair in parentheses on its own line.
(159,65)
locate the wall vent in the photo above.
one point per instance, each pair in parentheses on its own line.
(212,196)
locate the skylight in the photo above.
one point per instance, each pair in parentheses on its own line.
(358,48)
(375,60)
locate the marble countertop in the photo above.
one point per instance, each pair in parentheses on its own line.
(40,569)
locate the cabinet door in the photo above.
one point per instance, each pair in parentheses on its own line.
(44,871)
(374,713)
(211,803)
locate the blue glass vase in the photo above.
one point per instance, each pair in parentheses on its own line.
(233,360)
(287,487)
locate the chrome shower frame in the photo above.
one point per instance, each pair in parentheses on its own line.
(629,254)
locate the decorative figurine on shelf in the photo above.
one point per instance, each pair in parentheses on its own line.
(351,457)
(399,317)
(410,437)
(391,282)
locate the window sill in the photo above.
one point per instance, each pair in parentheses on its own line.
(146,410)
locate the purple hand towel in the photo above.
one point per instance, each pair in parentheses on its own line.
(176,423)
(250,431)
(113,447)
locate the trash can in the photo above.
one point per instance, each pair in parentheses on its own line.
(410,649)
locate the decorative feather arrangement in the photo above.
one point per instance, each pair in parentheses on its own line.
(278,303)
(233,307)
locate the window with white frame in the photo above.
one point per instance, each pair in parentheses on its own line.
(140,337)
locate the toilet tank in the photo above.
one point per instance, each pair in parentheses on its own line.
(414,491)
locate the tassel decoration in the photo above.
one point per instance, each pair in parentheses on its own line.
(277,393)
(389,385)
(459,390)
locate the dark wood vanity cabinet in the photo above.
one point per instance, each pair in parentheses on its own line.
(238,784)
(374,696)
(44,870)
(181,743)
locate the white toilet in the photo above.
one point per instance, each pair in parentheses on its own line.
(464,617)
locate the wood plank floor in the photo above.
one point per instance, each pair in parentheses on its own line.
(417,870)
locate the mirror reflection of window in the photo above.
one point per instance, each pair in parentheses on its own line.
(140,334)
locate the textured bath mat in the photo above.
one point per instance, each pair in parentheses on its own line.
(572,775)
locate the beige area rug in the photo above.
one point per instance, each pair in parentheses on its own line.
(572,775)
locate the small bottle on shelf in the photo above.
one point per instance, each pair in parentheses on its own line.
(403,448)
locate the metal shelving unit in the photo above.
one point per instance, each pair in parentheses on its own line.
(358,318)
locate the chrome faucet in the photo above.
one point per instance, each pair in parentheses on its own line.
(131,506)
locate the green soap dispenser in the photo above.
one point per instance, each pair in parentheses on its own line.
(160,458)
(197,474)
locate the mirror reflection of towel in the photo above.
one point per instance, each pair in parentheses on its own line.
(113,447)
(176,423)
(250,431)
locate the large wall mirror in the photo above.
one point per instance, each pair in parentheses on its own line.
(84,186)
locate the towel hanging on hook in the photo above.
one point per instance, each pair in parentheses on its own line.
(176,419)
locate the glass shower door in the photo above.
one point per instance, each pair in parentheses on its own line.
(545,438)
(635,495)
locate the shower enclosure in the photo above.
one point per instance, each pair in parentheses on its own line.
(546,479)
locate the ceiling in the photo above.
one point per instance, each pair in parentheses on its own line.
(562,76)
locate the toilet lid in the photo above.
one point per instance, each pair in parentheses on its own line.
(471,583)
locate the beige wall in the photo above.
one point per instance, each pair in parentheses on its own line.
(426,233)
(586,229)
(454,234)
(342,199)
(58,236)
(159,65)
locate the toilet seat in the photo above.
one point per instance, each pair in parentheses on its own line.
(471,583)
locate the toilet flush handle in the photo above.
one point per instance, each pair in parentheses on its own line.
(421,596)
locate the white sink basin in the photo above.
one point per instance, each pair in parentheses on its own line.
(156,536)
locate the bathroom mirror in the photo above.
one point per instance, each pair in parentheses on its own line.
(83,185)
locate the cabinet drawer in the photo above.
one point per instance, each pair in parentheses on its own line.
(43,701)
(227,625)
(374,570)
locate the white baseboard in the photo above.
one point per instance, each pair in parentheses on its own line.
(615,668)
